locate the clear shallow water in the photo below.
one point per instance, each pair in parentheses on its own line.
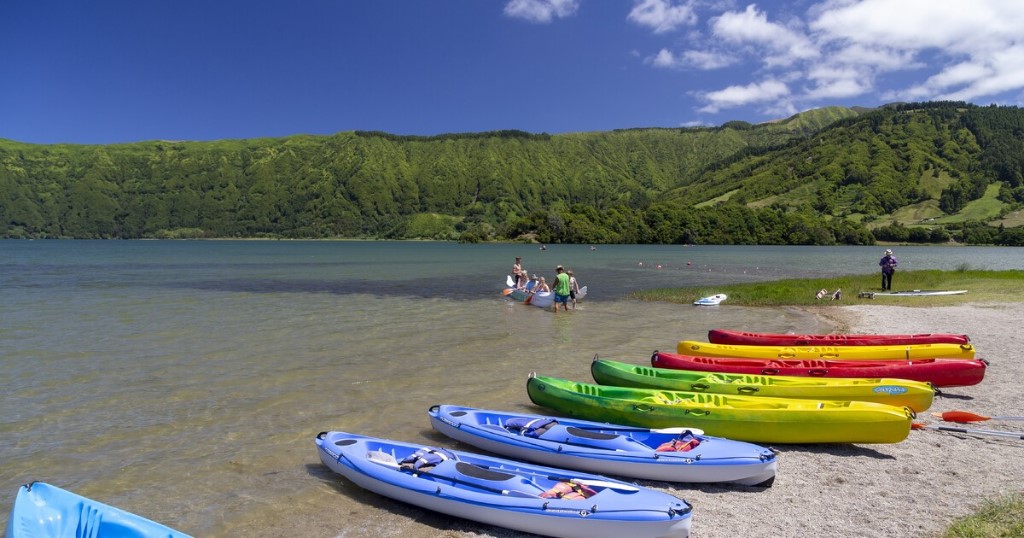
(186,380)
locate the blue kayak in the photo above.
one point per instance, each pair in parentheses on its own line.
(505,493)
(674,454)
(45,511)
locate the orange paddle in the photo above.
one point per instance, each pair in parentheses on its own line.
(964,417)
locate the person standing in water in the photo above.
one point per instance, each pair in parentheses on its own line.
(574,288)
(517,273)
(888,264)
(561,289)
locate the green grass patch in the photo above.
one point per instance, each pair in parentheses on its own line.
(918,213)
(717,199)
(933,183)
(983,209)
(1011,220)
(981,286)
(999,518)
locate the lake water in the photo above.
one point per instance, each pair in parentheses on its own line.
(186,380)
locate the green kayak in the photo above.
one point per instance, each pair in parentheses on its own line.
(899,392)
(757,419)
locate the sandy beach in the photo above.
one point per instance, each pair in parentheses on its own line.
(910,489)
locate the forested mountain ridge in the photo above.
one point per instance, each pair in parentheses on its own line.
(752,183)
(921,166)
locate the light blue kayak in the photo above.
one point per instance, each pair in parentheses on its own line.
(45,511)
(520,496)
(685,455)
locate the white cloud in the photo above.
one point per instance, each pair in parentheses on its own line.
(836,83)
(708,60)
(662,15)
(751,27)
(541,11)
(843,49)
(734,96)
(691,58)
(977,46)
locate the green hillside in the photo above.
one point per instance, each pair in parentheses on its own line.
(821,177)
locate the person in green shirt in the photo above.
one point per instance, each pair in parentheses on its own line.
(561,289)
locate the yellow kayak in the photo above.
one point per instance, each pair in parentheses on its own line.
(916,395)
(756,419)
(846,353)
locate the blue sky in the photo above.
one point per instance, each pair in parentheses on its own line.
(109,71)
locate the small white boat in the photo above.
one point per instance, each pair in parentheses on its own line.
(711,300)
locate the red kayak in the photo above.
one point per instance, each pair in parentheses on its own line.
(725,336)
(938,372)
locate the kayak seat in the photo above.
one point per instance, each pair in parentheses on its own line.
(476,471)
(382,458)
(589,434)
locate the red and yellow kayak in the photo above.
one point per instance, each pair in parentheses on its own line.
(726,336)
(938,372)
(845,353)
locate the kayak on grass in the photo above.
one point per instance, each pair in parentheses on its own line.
(711,300)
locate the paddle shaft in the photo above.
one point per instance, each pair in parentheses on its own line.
(1014,435)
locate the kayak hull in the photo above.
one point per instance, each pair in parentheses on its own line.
(938,372)
(756,419)
(45,511)
(847,353)
(711,300)
(725,336)
(608,448)
(916,395)
(504,493)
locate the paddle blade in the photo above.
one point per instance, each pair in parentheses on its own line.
(528,299)
(506,292)
(962,417)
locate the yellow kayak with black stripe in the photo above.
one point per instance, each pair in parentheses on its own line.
(756,419)
(916,395)
(846,353)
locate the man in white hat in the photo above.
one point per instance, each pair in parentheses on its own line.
(888,264)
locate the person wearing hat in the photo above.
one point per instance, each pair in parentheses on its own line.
(562,288)
(888,264)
